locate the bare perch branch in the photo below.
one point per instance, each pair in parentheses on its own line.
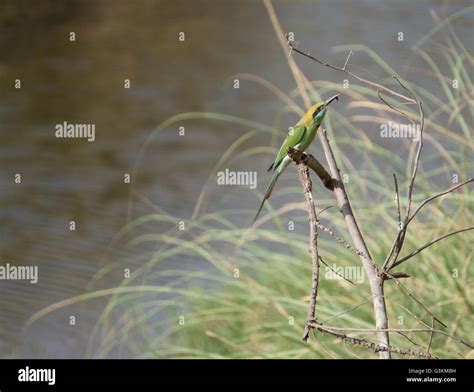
(313,163)
(375,281)
(305,180)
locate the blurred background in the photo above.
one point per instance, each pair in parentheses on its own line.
(83,82)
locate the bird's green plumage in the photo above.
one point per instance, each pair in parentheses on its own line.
(299,137)
(295,135)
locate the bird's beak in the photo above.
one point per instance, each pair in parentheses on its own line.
(335,97)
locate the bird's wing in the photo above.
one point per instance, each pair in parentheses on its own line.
(295,135)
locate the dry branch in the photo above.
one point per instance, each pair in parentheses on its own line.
(313,243)
(309,160)
(313,163)
(371,345)
(377,86)
(375,281)
(365,330)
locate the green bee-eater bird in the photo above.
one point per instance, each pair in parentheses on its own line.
(299,137)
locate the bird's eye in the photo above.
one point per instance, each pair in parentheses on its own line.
(316,112)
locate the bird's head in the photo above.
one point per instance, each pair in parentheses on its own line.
(316,113)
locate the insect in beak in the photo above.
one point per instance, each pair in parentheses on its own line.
(335,97)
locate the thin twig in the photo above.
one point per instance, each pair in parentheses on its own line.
(426,201)
(347,60)
(343,277)
(346,311)
(410,340)
(395,109)
(335,272)
(414,316)
(418,152)
(456,338)
(431,334)
(342,241)
(412,296)
(397,195)
(420,249)
(377,86)
(389,263)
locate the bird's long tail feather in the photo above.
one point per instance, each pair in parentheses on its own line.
(268,192)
